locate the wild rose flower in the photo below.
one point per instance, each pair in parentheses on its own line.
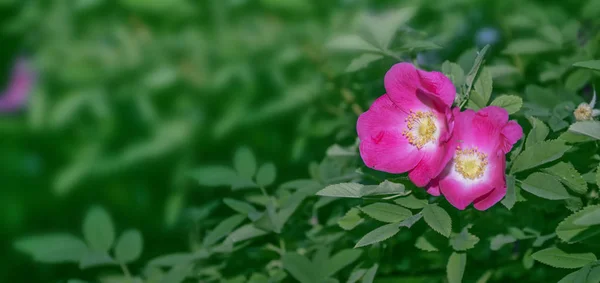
(586,112)
(19,87)
(479,143)
(406,129)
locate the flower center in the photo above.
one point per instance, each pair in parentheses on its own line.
(470,163)
(421,128)
(583,112)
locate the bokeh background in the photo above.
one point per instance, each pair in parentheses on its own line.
(112,103)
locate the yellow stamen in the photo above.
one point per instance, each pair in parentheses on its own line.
(470,163)
(421,128)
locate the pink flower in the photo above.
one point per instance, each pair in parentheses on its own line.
(18,90)
(406,130)
(479,143)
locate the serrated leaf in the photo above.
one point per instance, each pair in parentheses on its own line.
(511,192)
(511,103)
(129,246)
(419,45)
(386,212)
(569,176)
(425,245)
(300,267)
(455,268)
(351,43)
(559,259)
(464,240)
(570,232)
(384,188)
(379,234)
(539,132)
(340,260)
(472,75)
(223,229)
(498,241)
(52,248)
(362,62)
(541,153)
(369,276)
(589,218)
(244,162)
(591,64)
(266,174)
(240,206)
(438,219)
(344,190)
(587,128)
(580,276)
(411,202)
(455,73)
(351,219)
(214,176)
(545,186)
(98,229)
(482,90)
(571,137)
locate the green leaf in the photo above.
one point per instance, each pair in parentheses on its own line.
(472,75)
(369,277)
(589,218)
(178,273)
(95,259)
(569,176)
(598,176)
(541,153)
(244,162)
(345,190)
(571,137)
(379,234)
(592,64)
(455,73)
(362,62)
(539,132)
(511,103)
(384,188)
(584,275)
(456,267)
(383,27)
(299,267)
(356,275)
(464,240)
(52,248)
(223,229)
(351,43)
(411,202)
(386,212)
(529,47)
(559,259)
(351,219)
(214,176)
(98,229)
(528,259)
(240,206)
(425,245)
(245,232)
(438,219)
(419,45)
(545,186)
(266,175)
(577,79)
(498,241)
(570,232)
(587,128)
(341,260)
(482,90)
(169,260)
(129,246)
(511,192)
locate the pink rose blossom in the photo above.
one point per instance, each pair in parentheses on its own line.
(19,87)
(479,143)
(406,130)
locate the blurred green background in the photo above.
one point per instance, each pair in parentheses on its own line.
(131,95)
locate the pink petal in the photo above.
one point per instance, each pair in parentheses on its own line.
(487,201)
(512,132)
(382,145)
(431,165)
(438,83)
(433,188)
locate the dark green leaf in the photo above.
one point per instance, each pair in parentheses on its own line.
(511,192)
(300,267)
(240,206)
(380,234)
(351,43)
(369,277)
(545,186)
(223,229)
(341,260)
(577,79)
(539,154)
(567,174)
(214,176)
(539,132)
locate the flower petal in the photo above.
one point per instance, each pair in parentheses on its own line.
(511,133)
(401,83)
(431,165)
(440,85)
(382,145)
(488,200)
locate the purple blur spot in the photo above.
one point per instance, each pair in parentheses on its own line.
(22,80)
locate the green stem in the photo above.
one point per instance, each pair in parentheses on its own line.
(126,272)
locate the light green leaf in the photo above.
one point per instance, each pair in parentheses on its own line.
(580,276)
(409,222)
(96,258)
(379,234)
(240,206)
(511,192)
(383,27)
(529,47)
(98,229)
(570,232)
(351,219)
(346,190)
(300,268)
(511,103)
(223,229)
(571,137)
(370,275)
(541,153)
(411,202)
(178,273)
(455,73)
(577,79)
(356,275)
(598,176)
(258,278)
(464,240)
(266,175)
(545,186)
(438,219)
(539,132)
(559,259)
(552,34)
(587,128)
(384,188)
(340,260)
(419,45)
(245,232)
(456,267)
(425,245)
(592,64)
(386,212)
(129,246)
(214,176)
(351,43)
(171,259)
(482,90)
(362,62)
(52,248)
(472,75)
(569,176)
(498,241)
(244,162)
(528,259)
(589,218)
